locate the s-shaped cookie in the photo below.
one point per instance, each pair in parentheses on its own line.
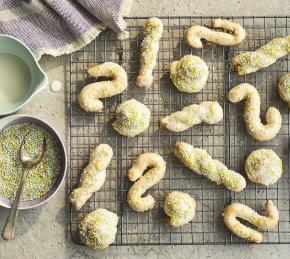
(239,210)
(89,96)
(155,167)
(195,33)
(255,127)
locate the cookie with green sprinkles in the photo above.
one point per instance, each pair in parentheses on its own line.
(235,211)
(200,162)
(40,178)
(189,74)
(264,166)
(234,34)
(258,130)
(90,95)
(153,29)
(132,118)
(284,88)
(180,207)
(147,171)
(251,61)
(98,229)
(208,112)
(93,176)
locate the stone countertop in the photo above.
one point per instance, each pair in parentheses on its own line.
(41,232)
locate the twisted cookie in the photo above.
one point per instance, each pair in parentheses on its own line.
(194,34)
(264,166)
(89,96)
(284,88)
(252,119)
(200,162)
(208,112)
(189,74)
(132,118)
(180,207)
(155,167)
(238,210)
(93,176)
(153,29)
(265,56)
(98,229)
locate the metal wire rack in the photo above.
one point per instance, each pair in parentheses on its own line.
(227,141)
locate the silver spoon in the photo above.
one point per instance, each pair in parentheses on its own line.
(28,163)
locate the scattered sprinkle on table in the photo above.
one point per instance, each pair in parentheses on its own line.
(40,178)
(55,86)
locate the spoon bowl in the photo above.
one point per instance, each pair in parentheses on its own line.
(28,163)
(14,119)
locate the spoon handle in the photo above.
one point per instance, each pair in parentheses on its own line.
(8,230)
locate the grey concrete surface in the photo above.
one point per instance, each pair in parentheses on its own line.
(41,232)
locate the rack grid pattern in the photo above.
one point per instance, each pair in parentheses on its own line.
(227,141)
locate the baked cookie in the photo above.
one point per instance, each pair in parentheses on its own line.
(200,162)
(132,118)
(89,96)
(98,229)
(195,33)
(153,29)
(153,166)
(258,130)
(207,111)
(284,88)
(264,166)
(180,207)
(252,61)
(189,74)
(93,176)
(239,210)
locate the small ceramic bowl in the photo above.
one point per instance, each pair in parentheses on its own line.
(14,119)
(38,79)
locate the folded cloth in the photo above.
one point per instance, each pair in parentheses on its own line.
(57,27)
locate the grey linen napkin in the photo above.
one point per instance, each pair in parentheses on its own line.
(57,27)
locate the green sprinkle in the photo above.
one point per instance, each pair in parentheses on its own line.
(40,178)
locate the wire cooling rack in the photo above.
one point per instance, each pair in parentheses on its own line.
(228,141)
